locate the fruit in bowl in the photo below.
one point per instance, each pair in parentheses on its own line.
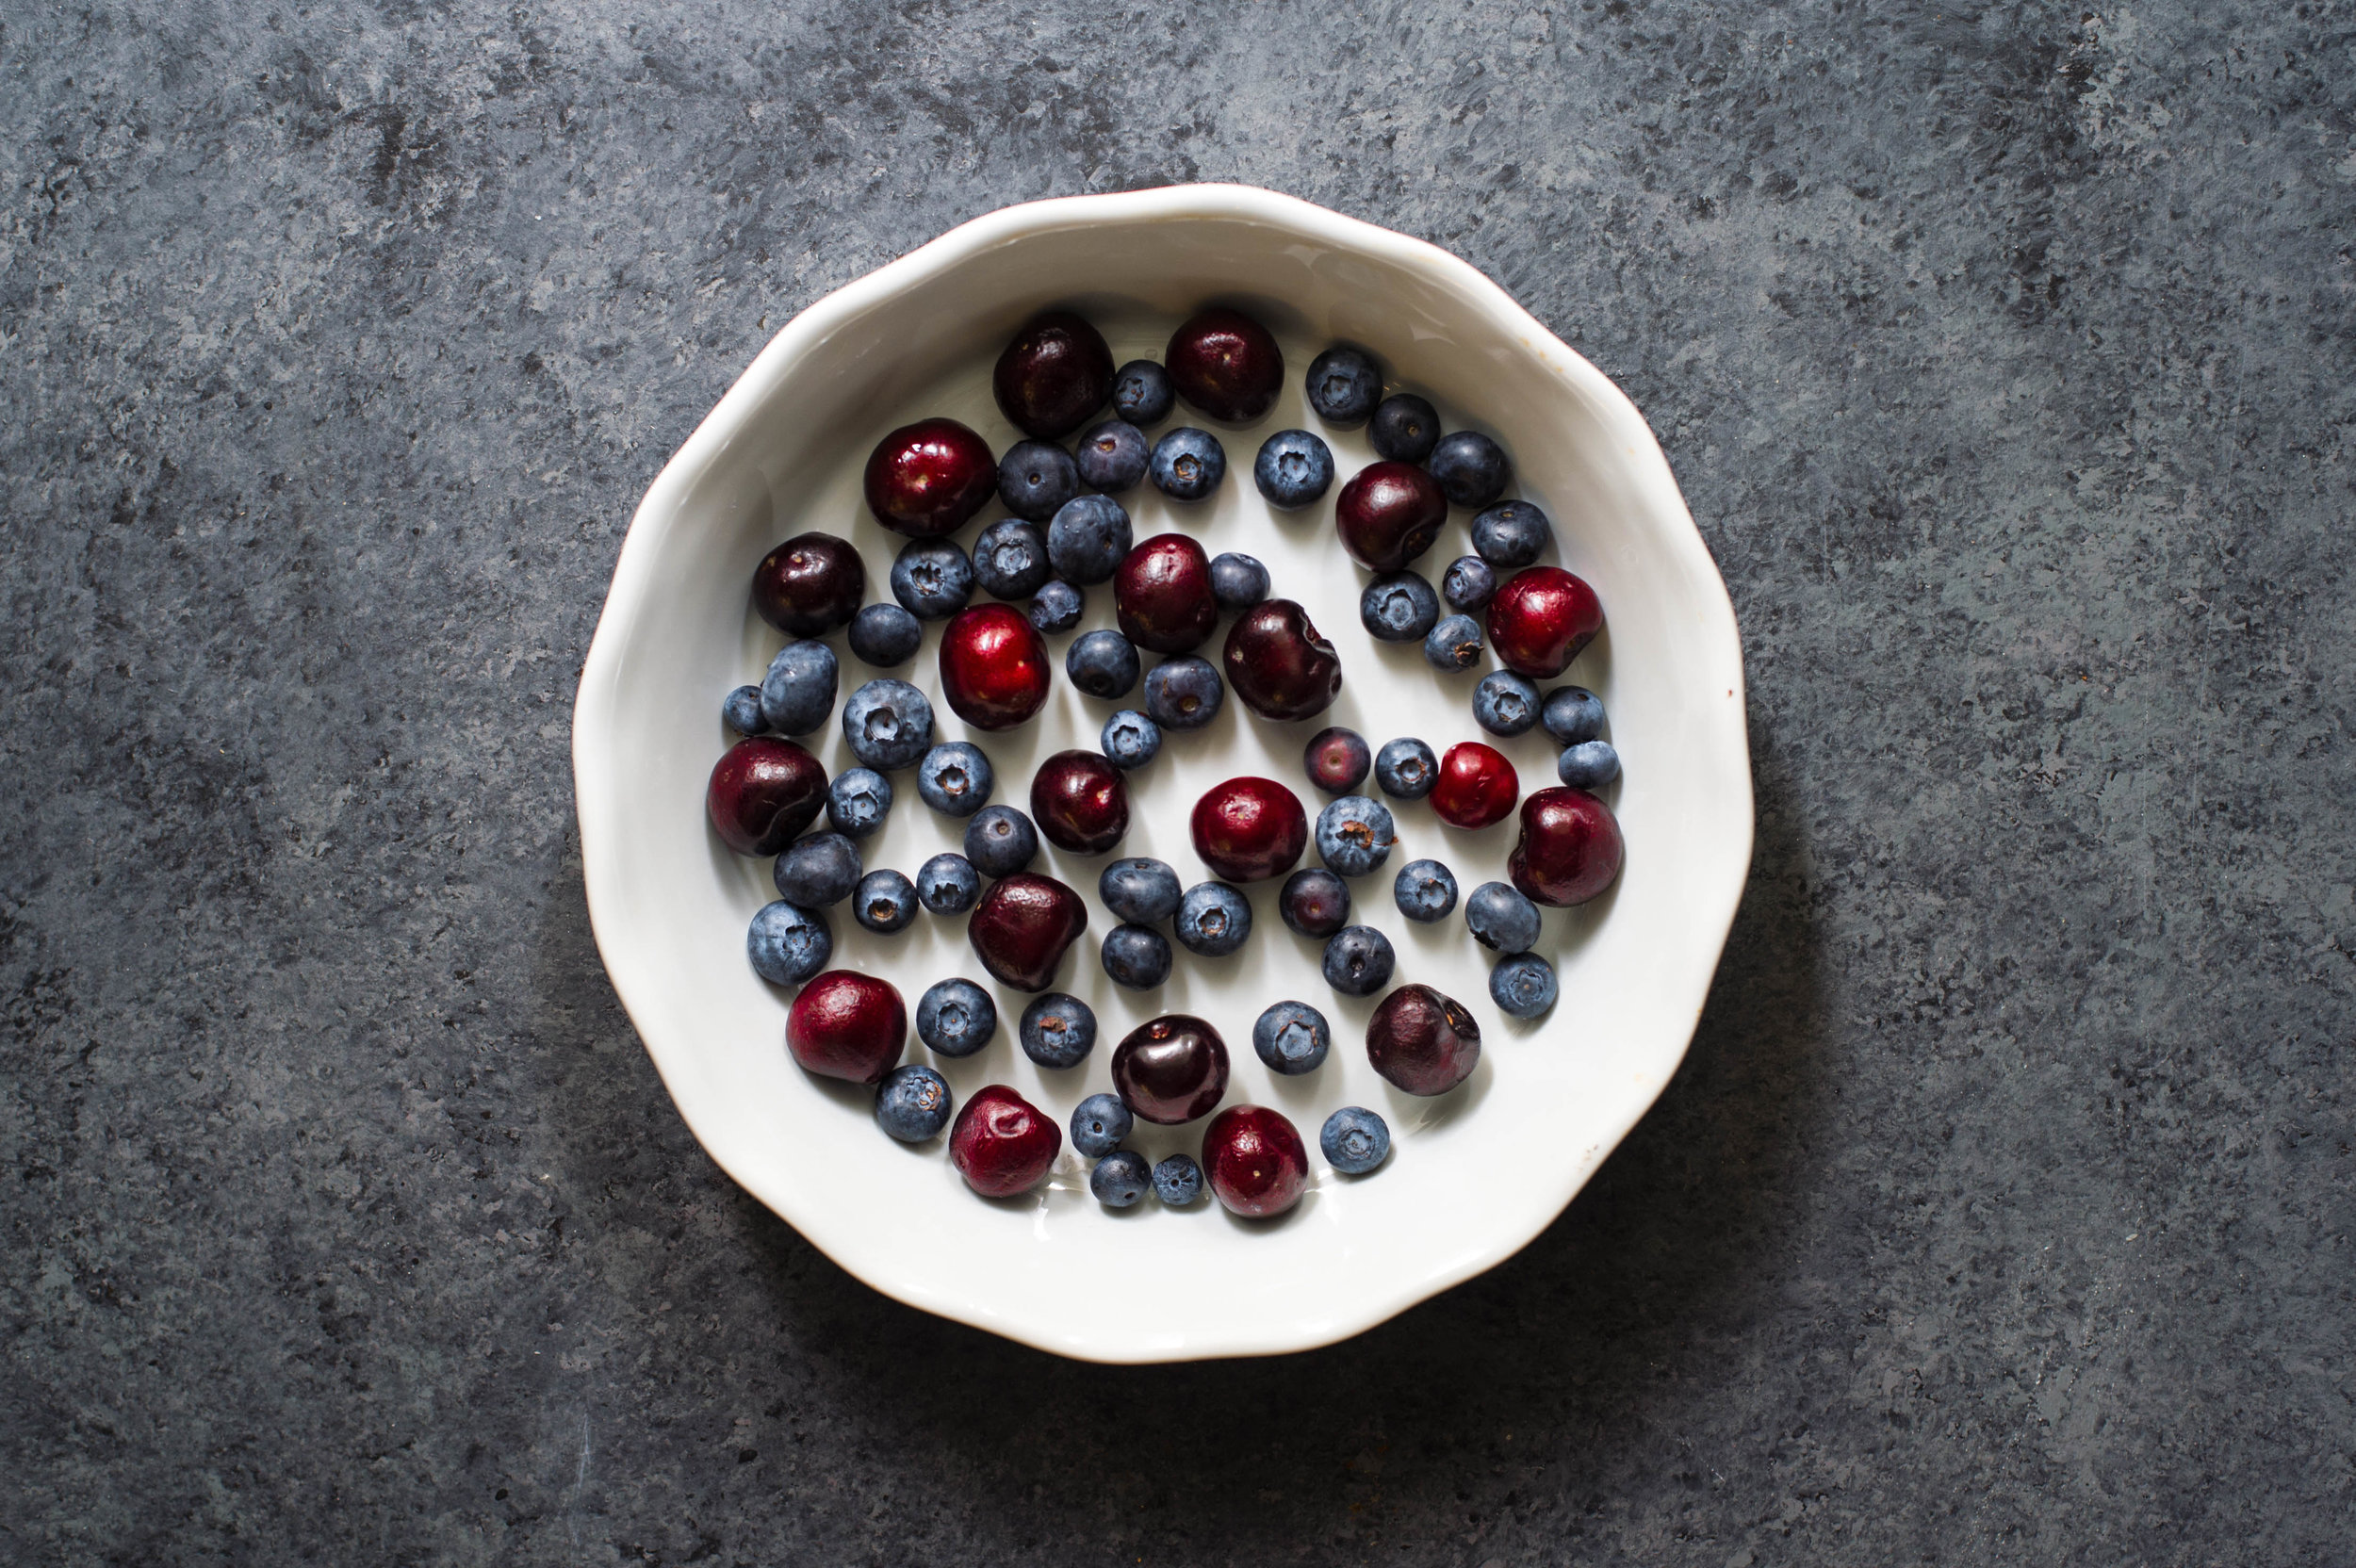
(1249,830)
(1163,594)
(763,792)
(1255,1160)
(927,479)
(1054,374)
(1227,364)
(1002,1144)
(847,1025)
(1540,620)
(1022,926)
(1080,802)
(1388,514)
(994,669)
(1279,664)
(1170,1070)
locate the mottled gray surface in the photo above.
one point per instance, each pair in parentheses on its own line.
(2002,1211)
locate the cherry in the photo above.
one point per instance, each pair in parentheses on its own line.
(1421,1041)
(1163,594)
(1279,664)
(1021,927)
(1249,830)
(1079,802)
(1054,374)
(845,1024)
(1227,364)
(1388,513)
(1171,1068)
(1540,620)
(1337,759)
(993,666)
(764,791)
(1254,1160)
(1570,848)
(809,585)
(928,478)
(1001,1144)
(1476,786)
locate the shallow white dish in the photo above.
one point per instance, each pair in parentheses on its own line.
(1474,1175)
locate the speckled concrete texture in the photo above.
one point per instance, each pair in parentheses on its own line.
(2001,1213)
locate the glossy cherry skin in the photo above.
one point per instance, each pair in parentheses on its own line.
(1021,927)
(1001,1144)
(1541,618)
(1171,1068)
(1227,364)
(994,668)
(1255,1160)
(1080,802)
(809,585)
(1421,1041)
(1388,514)
(1570,848)
(844,1024)
(1163,594)
(1278,662)
(764,791)
(928,478)
(1249,830)
(1476,786)
(1054,374)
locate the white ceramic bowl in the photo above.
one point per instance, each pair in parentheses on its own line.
(1473,1175)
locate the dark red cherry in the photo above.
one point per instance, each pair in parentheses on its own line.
(845,1024)
(1054,374)
(1227,364)
(1422,1041)
(763,793)
(1388,514)
(809,585)
(1249,829)
(1001,1144)
(1476,786)
(1570,848)
(1171,1068)
(1255,1160)
(1336,760)
(1163,594)
(1278,663)
(1021,927)
(928,478)
(993,666)
(1079,802)
(1540,619)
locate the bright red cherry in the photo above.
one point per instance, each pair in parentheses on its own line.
(928,478)
(1171,1068)
(1001,1144)
(1541,618)
(1422,1041)
(1278,662)
(844,1024)
(1249,829)
(764,791)
(1163,594)
(1570,848)
(1476,786)
(1255,1160)
(1054,374)
(1079,802)
(1388,514)
(1225,364)
(1021,927)
(809,585)
(993,666)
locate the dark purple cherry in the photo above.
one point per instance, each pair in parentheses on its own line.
(1570,848)
(1080,802)
(1278,663)
(844,1024)
(764,791)
(1021,927)
(1171,1068)
(1422,1041)
(1255,1160)
(1227,364)
(928,478)
(1249,830)
(1054,374)
(1162,594)
(809,585)
(1388,514)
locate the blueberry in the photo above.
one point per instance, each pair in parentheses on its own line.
(1292,1038)
(885,903)
(1359,960)
(1120,1179)
(1213,919)
(1468,583)
(1523,985)
(1034,478)
(1137,957)
(1000,840)
(1314,901)
(955,1017)
(1139,889)
(1354,1140)
(1589,766)
(1101,663)
(797,694)
(1345,384)
(1010,560)
(932,578)
(1087,540)
(1184,693)
(1099,1123)
(1055,607)
(857,801)
(1057,1030)
(1294,468)
(1500,918)
(1404,427)
(818,871)
(1142,394)
(1511,533)
(1504,703)
(788,943)
(741,711)
(1178,1181)
(1238,581)
(947,884)
(1130,740)
(1113,456)
(913,1103)
(1454,644)
(1572,715)
(1188,464)
(888,723)
(1399,607)
(886,635)
(1425,890)
(1355,835)
(1336,760)
(955,778)
(1405,769)
(1471,468)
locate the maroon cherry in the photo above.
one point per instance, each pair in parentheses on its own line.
(1001,1144)
(1279,664)
(1249,829)
(1337,759)
(845,1024)
(809,585)
(1570,848)
(764,791)
(1054,374)
(928,478)
(1422,1041)
(1021,927)
(1163,594)
(1254,1160)
(1171,1068)
(1540,619)
(1476,786)
(1079,802)
(993,666)
(1388,513)
(1225,364)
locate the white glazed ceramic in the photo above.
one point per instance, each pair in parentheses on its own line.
(1473,1175)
